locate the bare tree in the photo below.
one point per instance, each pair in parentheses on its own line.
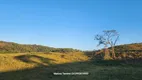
(109,38)
(102,40)
(112,37)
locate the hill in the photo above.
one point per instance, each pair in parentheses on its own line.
(130,51)
(134,47)
(11,47)
(41,66)
(133,50)
(15,61)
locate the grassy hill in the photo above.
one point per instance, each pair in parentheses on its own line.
(41,65)
(129,50)
(122,51)
(137,47)
(13,61)
(11,47)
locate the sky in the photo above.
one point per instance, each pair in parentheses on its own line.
(69,23)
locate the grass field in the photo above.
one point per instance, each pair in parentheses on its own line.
(41,66)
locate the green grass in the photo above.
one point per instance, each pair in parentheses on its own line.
(41,67)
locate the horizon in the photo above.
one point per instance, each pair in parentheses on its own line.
(66,47)
(69,23)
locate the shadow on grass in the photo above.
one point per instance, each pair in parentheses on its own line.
(98,70)
(122,63)
(27,59)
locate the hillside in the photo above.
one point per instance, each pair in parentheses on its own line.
(133,50)
(11,47)
(10,62)
(129,51)
(41,66)
(134,47)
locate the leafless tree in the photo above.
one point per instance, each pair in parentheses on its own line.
(109,38)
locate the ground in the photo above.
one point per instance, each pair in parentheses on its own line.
(41,66)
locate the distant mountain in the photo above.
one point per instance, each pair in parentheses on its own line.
(11,47)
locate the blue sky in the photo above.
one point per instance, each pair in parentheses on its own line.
(69,23)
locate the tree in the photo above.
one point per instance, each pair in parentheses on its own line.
(112,37)
(109,38)
(102,40)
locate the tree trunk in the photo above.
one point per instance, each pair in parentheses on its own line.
(113,53)
(106,54)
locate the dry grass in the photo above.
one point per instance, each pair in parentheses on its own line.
(9,62)
(40,66)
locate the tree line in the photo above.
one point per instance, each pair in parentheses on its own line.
(10,47)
